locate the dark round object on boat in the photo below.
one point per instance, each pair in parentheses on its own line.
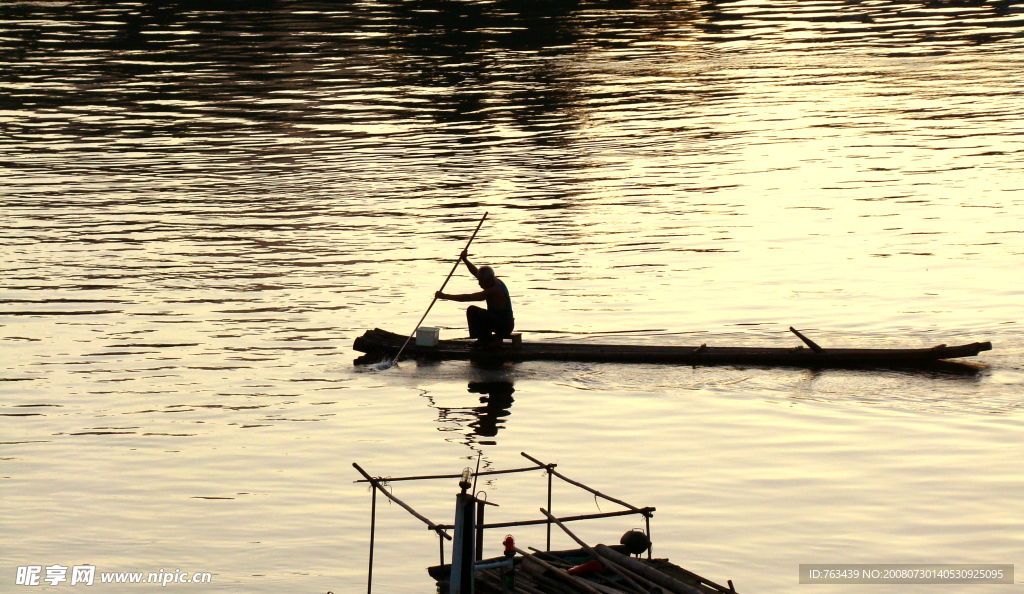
(635,541)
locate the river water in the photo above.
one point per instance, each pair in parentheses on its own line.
(202,208)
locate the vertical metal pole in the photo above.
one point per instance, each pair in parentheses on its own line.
(458,543)
(477,473)
(650,544)
(463,559)
(469,543)
(549,509)
(479,531)
(373,525)
(441,539)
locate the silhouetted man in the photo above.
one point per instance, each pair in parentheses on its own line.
(491,324)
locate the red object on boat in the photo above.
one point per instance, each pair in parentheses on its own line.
(510,545)
(588,568)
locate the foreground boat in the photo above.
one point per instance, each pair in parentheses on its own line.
(580,571)
(378,344)
(597,569)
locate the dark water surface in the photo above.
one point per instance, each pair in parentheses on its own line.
(203,207)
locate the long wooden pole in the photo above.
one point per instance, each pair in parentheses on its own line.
(650,543)
(443,285)
(590,551)
(627,512)
(814,346)
(373,522)
(395,479)
(550,470)
(581,485)
(377,487)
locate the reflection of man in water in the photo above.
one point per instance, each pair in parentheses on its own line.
(495,322)
(497,404)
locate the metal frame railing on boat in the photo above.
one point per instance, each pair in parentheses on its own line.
(477,524)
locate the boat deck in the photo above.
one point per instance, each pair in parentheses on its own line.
(546,573)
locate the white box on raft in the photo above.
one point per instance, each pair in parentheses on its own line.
(426,336)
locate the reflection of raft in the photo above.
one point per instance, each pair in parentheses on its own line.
(381,343)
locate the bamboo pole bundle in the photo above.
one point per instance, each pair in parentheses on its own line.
(556,561)
(688,576)
(578,583)
(625,575)
(669,583)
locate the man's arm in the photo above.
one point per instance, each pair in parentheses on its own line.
(472,269)
(481,296)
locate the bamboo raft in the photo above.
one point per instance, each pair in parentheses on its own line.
(599,569)
(379,343)
(557,572)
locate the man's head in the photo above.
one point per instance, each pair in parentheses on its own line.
(485,276)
